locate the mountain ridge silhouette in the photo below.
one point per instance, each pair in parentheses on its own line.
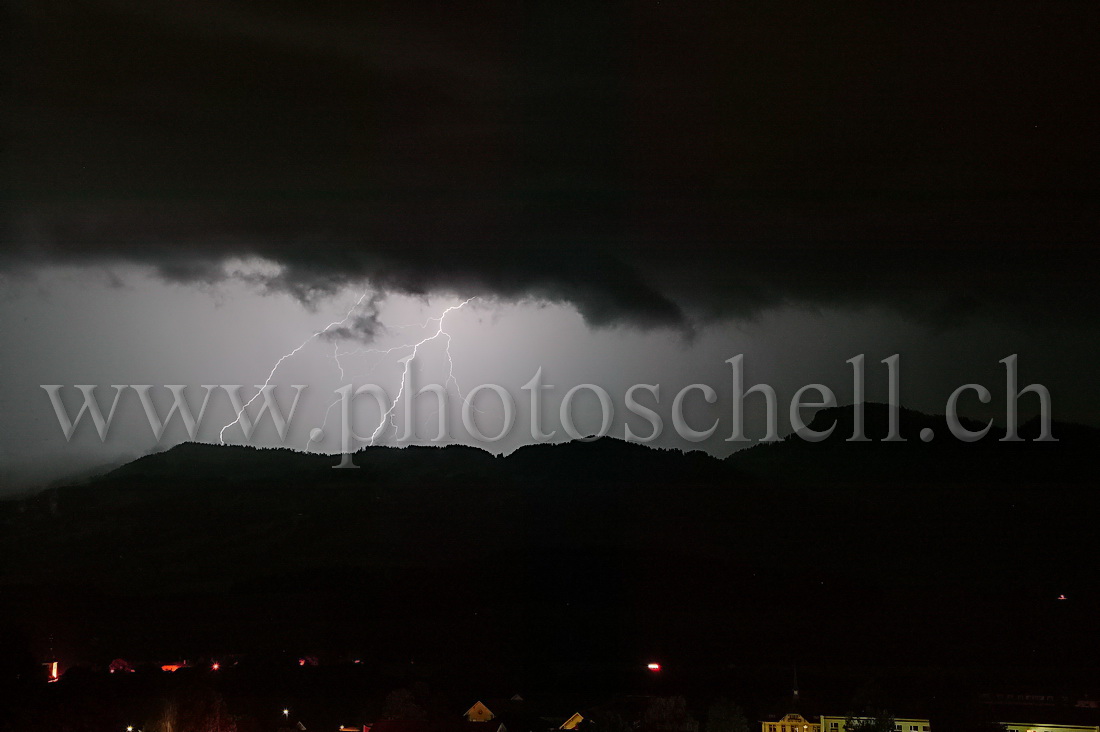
(784,459)
(603,548)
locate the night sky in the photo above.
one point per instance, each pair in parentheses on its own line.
(634,192)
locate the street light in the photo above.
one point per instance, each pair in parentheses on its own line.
(286,712)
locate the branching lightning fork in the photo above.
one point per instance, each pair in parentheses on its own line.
(388,416)
(303,344)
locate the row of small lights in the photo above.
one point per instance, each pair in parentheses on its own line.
(302,662)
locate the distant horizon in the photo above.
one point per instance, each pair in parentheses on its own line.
(91,472)
(996,436)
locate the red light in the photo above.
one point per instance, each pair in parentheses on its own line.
(653,666)
(301,662)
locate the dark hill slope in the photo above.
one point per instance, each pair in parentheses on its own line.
(586,550)
(837,459)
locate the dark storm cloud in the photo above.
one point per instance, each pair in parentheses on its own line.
(653,165)
(364,326)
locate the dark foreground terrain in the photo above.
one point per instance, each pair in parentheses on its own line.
(594,556)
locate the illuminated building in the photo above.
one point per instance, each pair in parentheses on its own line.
(478,713)
(573,721)
(1024,727)
(827,723)
(901,724)
(791,723)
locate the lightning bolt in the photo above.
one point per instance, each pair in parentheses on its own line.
(303,344)
(388,416)
(336,357)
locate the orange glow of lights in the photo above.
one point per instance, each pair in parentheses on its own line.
(53,670)
(215,666)
(653,666)
(171,667)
